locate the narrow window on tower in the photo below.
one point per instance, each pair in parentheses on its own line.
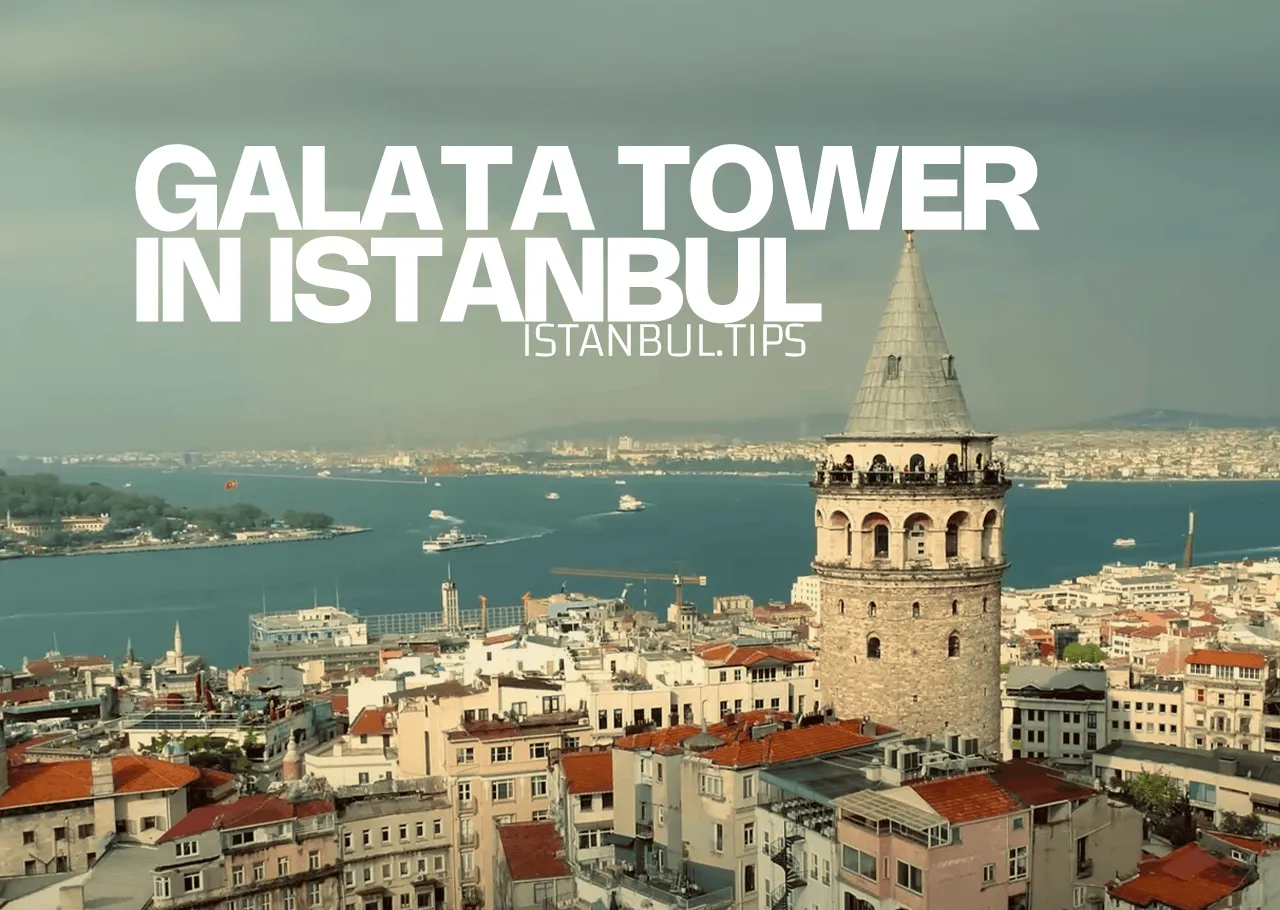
(955,608)
(915,611)
(984,605)
(873,648)
(892,366)
(871,610)
(953,645)
(948,367)
(882,541)
(841,605)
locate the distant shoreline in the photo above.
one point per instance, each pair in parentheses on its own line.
(301,537)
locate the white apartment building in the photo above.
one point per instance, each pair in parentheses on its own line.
(1052,713)
(1224,699)
(807,590)
(1147,591)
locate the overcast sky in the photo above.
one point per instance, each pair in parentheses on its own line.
(1150,283)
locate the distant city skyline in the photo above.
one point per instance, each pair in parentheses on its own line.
(1148,284)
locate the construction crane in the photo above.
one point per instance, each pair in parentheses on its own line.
(678,580)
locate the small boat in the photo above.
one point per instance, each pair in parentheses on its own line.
(437,483)
(630,504)
(1125,542)
(1053,483)
(553,496)
(438,515)
(324,474)
(453,539)
(621,483)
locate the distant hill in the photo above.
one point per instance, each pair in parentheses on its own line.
(760,429)
(1155,419)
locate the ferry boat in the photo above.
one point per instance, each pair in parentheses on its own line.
(453,539)
(1053,483)
(1125,542)
(553,496)
(629,503)
(324,474)
(438,515)
(621,483)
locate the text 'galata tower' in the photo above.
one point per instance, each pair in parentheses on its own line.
(910,522)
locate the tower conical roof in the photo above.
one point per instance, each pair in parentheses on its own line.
(911,387)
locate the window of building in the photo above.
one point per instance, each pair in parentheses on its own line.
(466,756)
(871,608)
(237,875)
(161,887)
(711,785)
(953,645)
(313,894)
(282,866)
(717,838)
(437,828)
(748,786)
(586,801)
(259,871)
(873,648)
(500,754)
(192,881)
(386,871)
(749,878)
(988,873)
(313,860)
(1017,863)
(181,848)
(386,835)
(617,718)
(538,785)
(538,750)
(502,790)
(749,834)
(606,799)
(910,877)
(915,611)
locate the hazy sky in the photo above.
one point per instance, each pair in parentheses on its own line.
(1151,281)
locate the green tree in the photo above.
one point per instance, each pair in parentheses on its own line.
(1155,795)
(1077,653)
(310,521)
(1242,825)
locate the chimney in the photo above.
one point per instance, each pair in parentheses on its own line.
(291,769)
(103,779)
(868,726)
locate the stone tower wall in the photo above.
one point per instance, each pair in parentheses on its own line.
(917,684)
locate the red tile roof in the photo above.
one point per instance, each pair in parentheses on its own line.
(1189,878)
(741,750)
(1035,785)
(730,655)
(24,695)
(499,639)
(18,753)
(1148,632)
(246,812)
(1228,659)
(532,851)
(39,783)
(46,667)
(588,772)
(375,722)
(1249,844)
(966,798)
(338,701)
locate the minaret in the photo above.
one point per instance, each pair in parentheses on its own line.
(910,519)
(449,602)
(177,648)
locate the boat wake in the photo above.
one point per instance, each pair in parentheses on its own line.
(1243,551)
(492,543)
(595,515)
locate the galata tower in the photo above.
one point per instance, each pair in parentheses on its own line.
(910,527)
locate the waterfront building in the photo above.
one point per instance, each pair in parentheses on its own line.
(1053,713)
(396,842)
(69,524)
(259,851)
(910,523)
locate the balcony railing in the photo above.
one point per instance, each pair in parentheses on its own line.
(663,894)
(467,806)
(470,839)
(840,476)
(469,876)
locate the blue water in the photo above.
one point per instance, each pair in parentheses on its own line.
(747,535)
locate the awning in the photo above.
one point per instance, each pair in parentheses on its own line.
(613,839)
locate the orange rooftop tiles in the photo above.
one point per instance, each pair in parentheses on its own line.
(246,812)
(533,851)
(1189,878)
(42,783)
(1228,659)
(967,798)
(729,655)
(588,772)
(374,722)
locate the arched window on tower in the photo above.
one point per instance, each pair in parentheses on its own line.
(955,607)
(840,603)
(881,542)
(873,648)
(984,605)
(893,365)
(871,609)
(953,540)
(915,610)
(953,645)
(916,464)
(949,367)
